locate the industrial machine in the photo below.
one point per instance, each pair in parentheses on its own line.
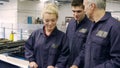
(15,48)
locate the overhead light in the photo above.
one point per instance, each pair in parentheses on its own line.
(5,0)
(44,1)
(1,3)
(22,0)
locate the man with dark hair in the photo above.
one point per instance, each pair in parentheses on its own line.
(77,31)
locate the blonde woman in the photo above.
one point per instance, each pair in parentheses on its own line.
(47,47)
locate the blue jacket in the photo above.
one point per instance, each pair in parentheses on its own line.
(102,48)
(47,50)
(77,34)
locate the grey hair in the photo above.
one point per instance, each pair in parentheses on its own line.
(101,4)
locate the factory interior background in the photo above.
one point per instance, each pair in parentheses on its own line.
(19,18)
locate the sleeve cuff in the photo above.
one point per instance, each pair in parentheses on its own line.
(31,59)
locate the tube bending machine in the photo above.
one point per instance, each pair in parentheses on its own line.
(13,53)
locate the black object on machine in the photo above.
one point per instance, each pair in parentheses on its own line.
(13,48)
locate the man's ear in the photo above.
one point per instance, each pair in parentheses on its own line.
(93,6)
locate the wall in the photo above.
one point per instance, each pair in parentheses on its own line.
(8,17)
(8,12)
(114,8)
(11,11)
(16,11)
(33,9)
(28,8)
(64,11)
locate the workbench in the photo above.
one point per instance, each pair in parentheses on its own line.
(7,61)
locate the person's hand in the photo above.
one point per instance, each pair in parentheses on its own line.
(33,65)
(74,66)
(50,67)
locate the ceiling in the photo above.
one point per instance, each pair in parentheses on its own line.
(68,1)
(56,0)
(60,1)
(113,0)
(5,0)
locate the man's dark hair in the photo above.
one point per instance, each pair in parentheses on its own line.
(77,3)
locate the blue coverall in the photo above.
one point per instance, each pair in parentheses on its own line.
(47,50)
(77,34)
(102,48)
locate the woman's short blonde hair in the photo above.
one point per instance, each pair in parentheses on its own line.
(51,9)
